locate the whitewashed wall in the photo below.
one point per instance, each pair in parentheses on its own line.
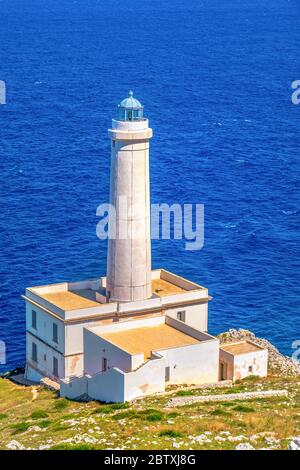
(258,360)
(193,364)
(44,327)
(107,386)
(150,378)
(195,315)
(44,365)
(96,348)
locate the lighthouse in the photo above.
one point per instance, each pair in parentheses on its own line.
(130,332)
(129,249)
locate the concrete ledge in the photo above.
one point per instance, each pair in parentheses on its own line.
(181,401)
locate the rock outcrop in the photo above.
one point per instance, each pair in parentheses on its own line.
(294,444)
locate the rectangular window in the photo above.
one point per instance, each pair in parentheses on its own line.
(104,364)
(250,369)
(55,333)
(55,366)
(34,352)
(181,315)
(33,319)
(167,374)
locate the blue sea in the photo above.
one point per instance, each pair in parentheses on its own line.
(215,78)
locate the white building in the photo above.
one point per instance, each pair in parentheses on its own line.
(136,330)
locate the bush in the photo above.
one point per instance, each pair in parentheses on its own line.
(106,409)
(45,423)
(173,414)
(61,404)
(125,414)
(170,433)
(243,408)
(3,416)
(39,414)
(219,412)
(184,393)
(20,427)
(68,446)
(157,416)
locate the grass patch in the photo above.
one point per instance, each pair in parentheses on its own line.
(250,378)
(170,433)
(106,409)
(184,393)
(68,446)
(61,404)
(219,412)
(234,390)
(243,409)
(60,427)
(148,415)
(125,414)
(173,414)
(39,414)
(45,423)
(3,416)
(157,416)
(20,427)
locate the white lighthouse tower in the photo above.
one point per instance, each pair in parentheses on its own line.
(129,252)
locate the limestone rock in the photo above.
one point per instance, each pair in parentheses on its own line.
(295,443)
(244,446)
(15,445)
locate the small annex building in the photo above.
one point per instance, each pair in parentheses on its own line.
(241,359)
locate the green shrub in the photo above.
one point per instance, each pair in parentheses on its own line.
(45,423)
(157,416)
(243,408)
(60,427)
(61,404)
(106,409)
(219,412)
(250,378)
(68,446)
(184,393)
(118,406)
(170,433)
(3,416)
(39,414)
(20,427)
(125,414)
(173,414)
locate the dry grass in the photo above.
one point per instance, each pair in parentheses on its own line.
(148,424)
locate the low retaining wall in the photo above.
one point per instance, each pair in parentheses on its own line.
(181,401)
(74,387)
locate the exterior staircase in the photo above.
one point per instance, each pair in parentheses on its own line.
(50,384)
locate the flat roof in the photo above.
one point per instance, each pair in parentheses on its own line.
(147,339)
(162,287)
(243,347)
(91,293)
(67,300)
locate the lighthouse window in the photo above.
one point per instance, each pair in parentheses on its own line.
(55,366)
(34,352)
(33,319)
(55,333)
(181,315)
(130,115)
